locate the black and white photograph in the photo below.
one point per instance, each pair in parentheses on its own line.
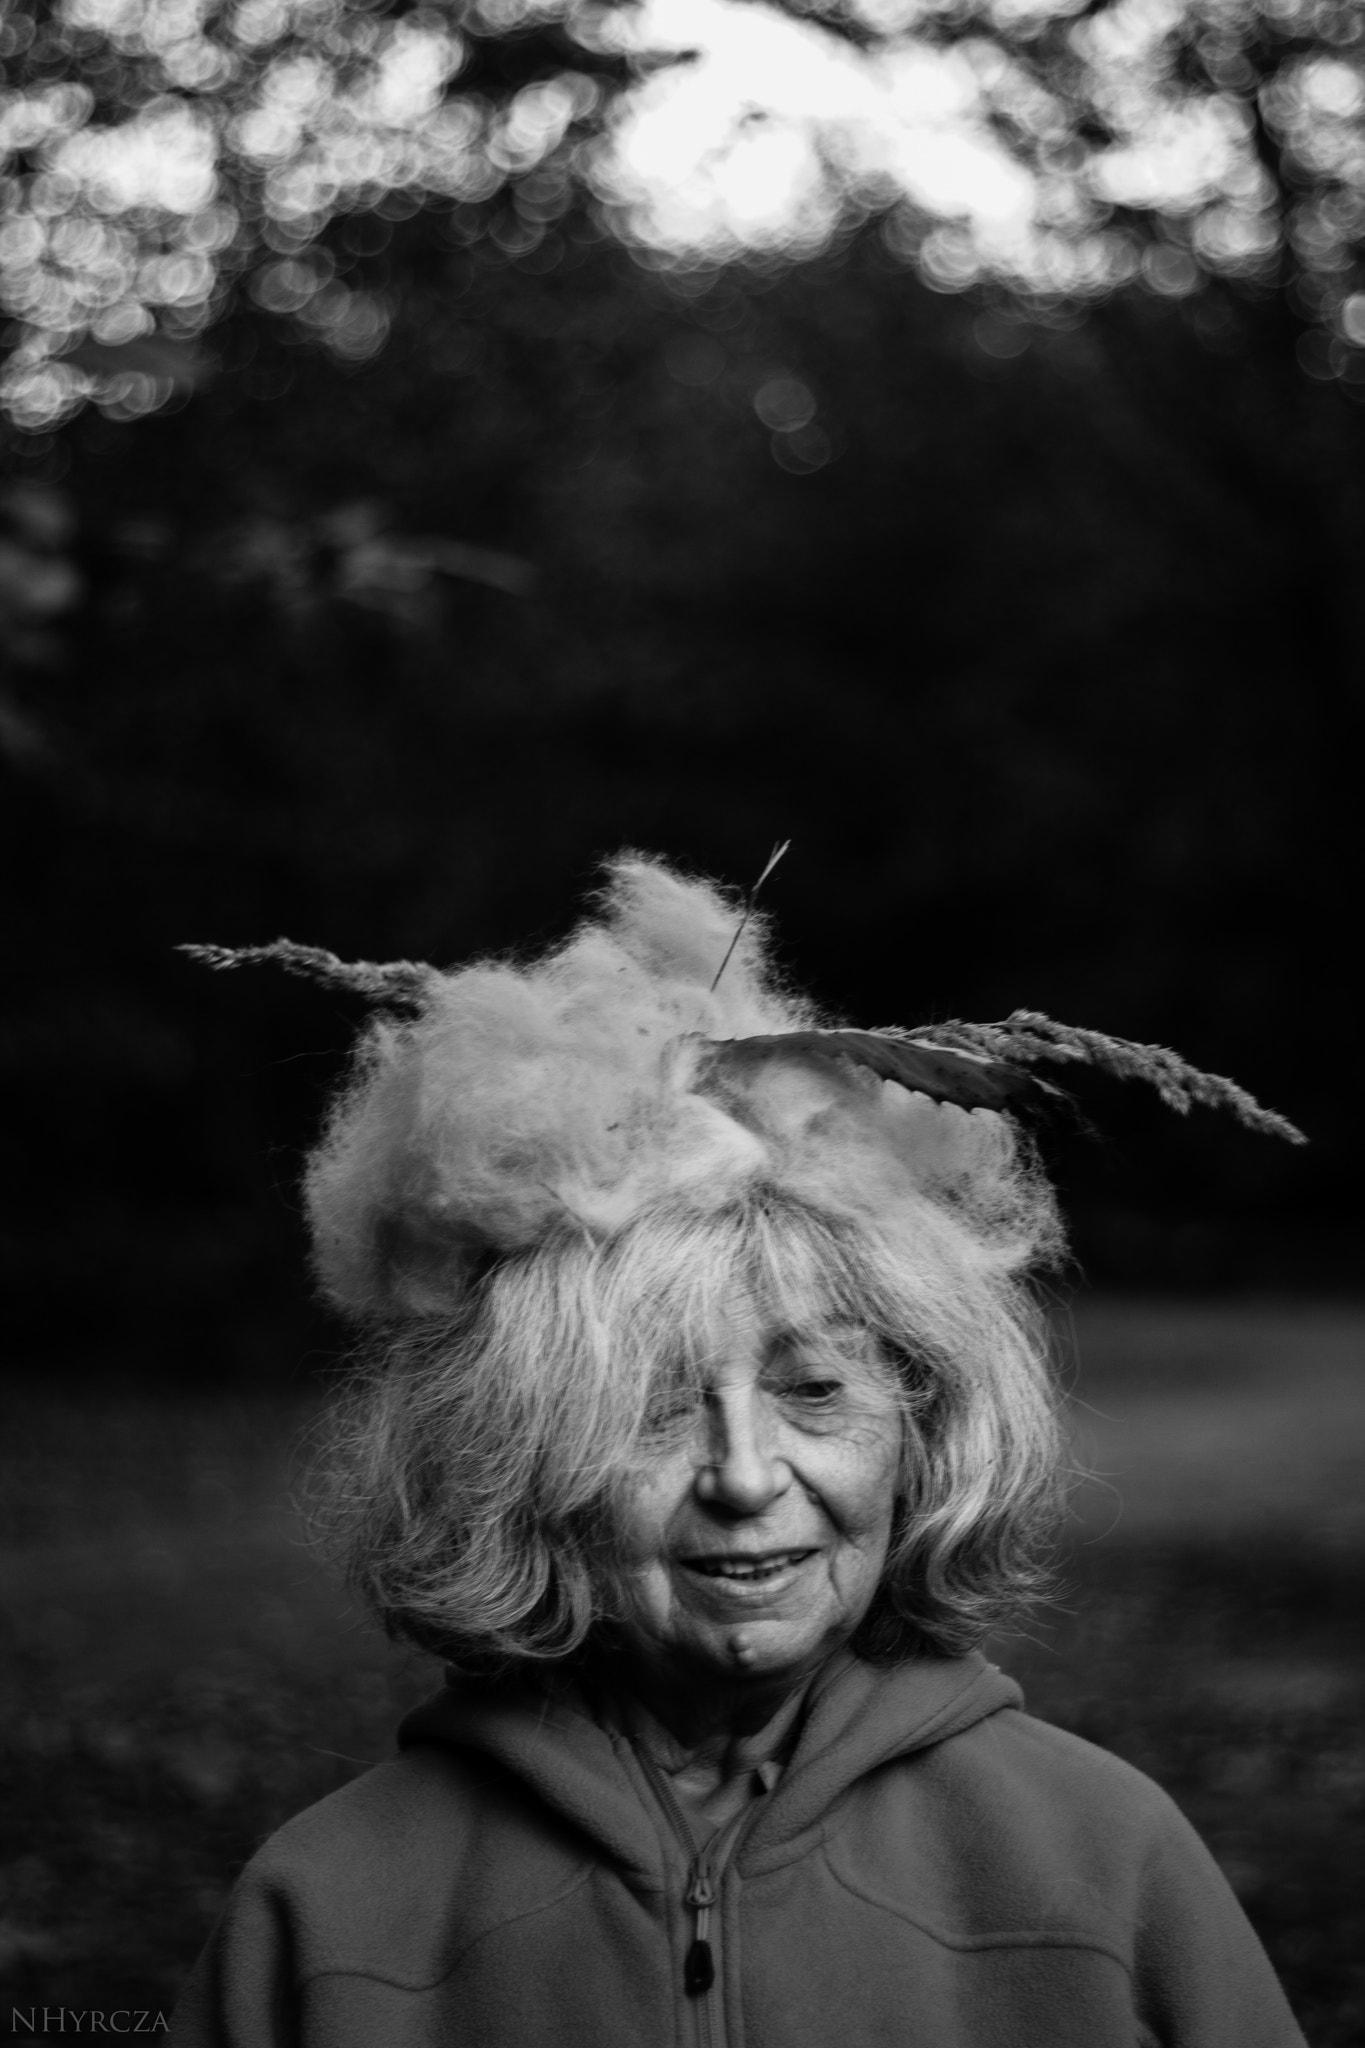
(682,702)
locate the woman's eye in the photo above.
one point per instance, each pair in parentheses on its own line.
(669,1413)
(817,1393)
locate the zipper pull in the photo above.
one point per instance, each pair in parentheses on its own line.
(699,1968)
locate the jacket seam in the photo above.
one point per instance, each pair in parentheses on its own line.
(780,1856)
(498,1927)
(1039,1937)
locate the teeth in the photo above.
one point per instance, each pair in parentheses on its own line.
(730,1568)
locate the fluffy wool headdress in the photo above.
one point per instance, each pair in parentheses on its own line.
(494,1106)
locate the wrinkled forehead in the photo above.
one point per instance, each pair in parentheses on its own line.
(747,1339)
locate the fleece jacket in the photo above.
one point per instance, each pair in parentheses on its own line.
(933,1869)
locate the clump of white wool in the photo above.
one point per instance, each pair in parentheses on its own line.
(571,1095)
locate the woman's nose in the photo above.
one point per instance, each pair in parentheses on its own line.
(743,1469)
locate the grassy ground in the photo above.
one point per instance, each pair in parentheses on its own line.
(179,1676)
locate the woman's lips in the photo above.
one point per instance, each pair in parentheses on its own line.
(737,1574)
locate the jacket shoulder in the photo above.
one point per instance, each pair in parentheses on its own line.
(429,1840)
(1043,1766)
(1015,1827)
(1117,1857)
(1012,1838)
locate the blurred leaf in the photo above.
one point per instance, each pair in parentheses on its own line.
(158,159)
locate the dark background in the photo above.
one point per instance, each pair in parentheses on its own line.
(1040,641)
(1050,668)
(1052,676)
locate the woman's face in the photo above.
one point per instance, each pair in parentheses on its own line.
(755,1531)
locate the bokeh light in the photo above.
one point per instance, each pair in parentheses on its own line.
(156,154)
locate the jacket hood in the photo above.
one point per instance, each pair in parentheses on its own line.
(856,1718)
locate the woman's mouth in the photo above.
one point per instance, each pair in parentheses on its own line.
(740,1570)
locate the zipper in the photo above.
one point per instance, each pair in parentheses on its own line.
(701,1892)
(699,1969)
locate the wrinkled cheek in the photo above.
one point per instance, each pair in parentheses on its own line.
(641,1513)
(863,1563)
(634,1550)
(646,1598)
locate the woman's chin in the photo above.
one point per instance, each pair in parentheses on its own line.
(761,1647)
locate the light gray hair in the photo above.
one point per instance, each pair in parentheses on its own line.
(472,1460)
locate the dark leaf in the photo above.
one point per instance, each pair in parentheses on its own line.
(967,1079)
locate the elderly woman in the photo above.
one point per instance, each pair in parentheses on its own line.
(707,1428)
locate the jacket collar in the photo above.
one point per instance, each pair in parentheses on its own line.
(856,1718)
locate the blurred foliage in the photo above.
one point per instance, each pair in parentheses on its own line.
(157,155)
(161,151)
